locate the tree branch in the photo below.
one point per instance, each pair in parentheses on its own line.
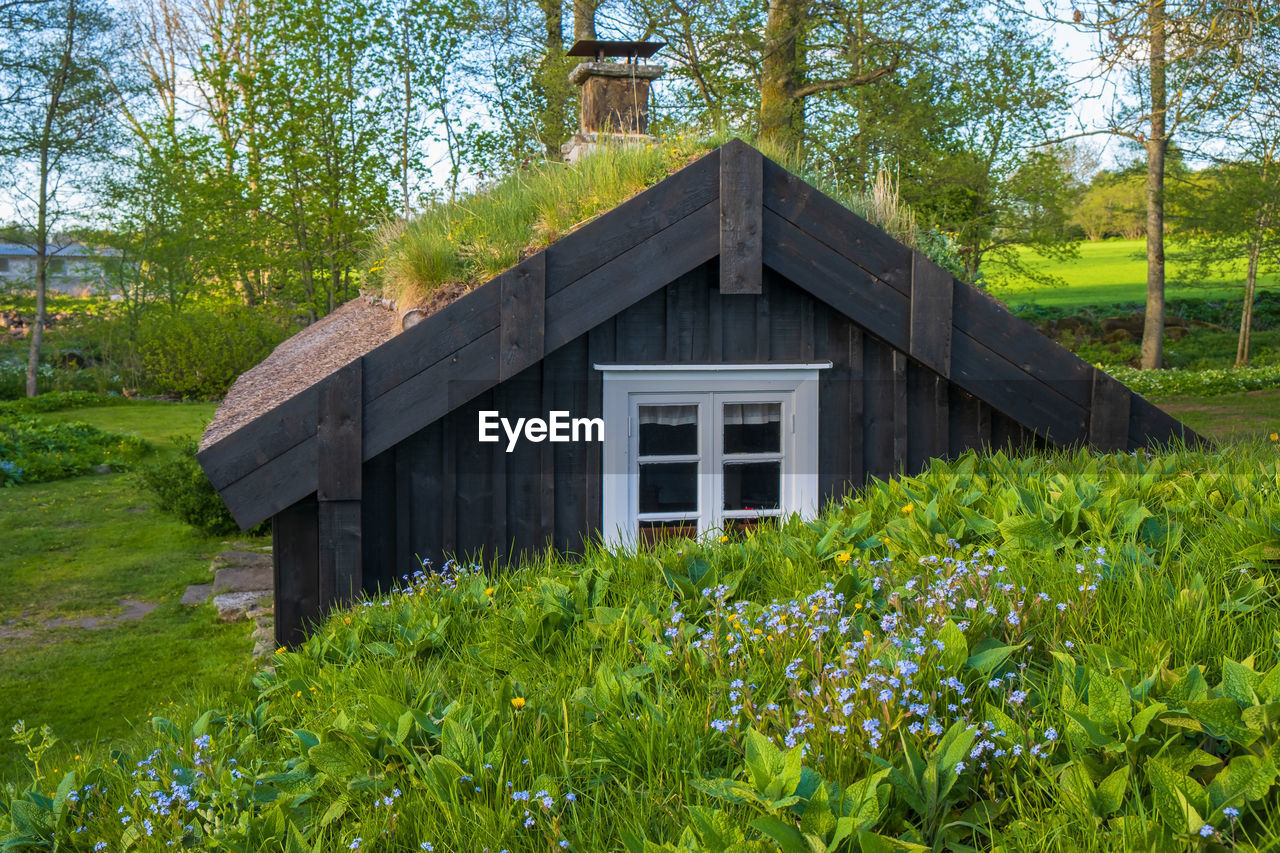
(845,82)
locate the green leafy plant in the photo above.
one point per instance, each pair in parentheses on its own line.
(182,489)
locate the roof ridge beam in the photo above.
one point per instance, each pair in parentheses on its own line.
(741,214)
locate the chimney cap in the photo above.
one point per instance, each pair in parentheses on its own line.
(598,50)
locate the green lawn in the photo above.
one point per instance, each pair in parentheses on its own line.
(1248,415)
(75,548)
(1111,271)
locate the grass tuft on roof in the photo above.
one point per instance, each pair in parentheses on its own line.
(455,246)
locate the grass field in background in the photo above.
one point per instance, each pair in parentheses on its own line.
(1111,271)
(74,548)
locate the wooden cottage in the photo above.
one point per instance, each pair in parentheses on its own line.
(729,345)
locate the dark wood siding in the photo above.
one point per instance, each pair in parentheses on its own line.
(441,493)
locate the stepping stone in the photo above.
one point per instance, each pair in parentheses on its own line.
(243,579)
(197,594)
(234,606)
(240,560)
(135,609)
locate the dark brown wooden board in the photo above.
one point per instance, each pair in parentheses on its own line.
(741,207)
(278,483)
(964,422)
(1109,413)
(523,289)
(900,411)
(380,566)
(341,553)
(295,557)
(1149,424)
(633,222)
(642,330)
(992,378)
(631,276)
(339,435)
(481,498)
(521,397)
(738,324)
(836,280)
(262,439)
(839,425)
(432,393)
(878,408)
(833,224)
(1018,343)
(439,336)
(931,297)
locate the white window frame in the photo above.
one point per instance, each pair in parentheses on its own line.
(709,386)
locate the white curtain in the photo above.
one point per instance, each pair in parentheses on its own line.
(669,415)
(736,414)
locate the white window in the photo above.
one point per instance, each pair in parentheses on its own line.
(692,449)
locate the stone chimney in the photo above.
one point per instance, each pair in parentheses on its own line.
(615,95)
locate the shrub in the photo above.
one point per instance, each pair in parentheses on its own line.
(181,489)
(36,451)
(1201,383)
(57,401)
(198,353)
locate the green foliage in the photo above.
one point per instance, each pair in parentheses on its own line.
(1078,647)
(181,489)
(472,239)
(35,451)
(198,353)
(57,401)
(1201,383)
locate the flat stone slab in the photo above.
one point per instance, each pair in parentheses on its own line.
(197,593)
(240,560)
(234,606)
(243,579)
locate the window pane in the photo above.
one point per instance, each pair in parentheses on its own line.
(656,531)
(668,430)
(669,487)
(752,427)
(752,485)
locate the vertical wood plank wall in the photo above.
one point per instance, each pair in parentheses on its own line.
(440,492)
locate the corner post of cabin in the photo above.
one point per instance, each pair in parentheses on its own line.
(339,435)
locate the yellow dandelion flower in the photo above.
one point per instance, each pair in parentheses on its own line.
(857,605)
(908,509)
(757,632)
(346,620)
(489,591)
(724,538)
(866,633)
(517,702)
(1275,436)
(843,557)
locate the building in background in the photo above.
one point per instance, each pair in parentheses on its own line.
(74,269)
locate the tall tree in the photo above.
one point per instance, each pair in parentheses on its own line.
(1171,62)
(58,126)
(1230,213)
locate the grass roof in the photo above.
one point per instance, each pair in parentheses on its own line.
(457,245)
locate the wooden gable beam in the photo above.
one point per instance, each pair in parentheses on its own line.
(902,298)
(473,343)
(741,210)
